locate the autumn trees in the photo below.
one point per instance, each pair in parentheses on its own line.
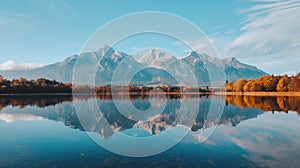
(236,86)
(41,85)
(266,84)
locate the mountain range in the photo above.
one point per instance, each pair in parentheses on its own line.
(152,67)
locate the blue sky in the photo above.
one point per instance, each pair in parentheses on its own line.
(264,33)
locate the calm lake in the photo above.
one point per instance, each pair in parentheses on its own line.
(82,131)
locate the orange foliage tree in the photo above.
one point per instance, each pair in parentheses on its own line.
(266,84)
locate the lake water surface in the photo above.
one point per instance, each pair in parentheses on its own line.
(241,131)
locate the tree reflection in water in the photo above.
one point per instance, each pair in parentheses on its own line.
(266,103)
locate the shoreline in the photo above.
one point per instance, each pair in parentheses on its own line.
(166,93)
(117,93)
(257,93)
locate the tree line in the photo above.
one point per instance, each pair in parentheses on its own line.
(41,85)
(266,84)
(146,89)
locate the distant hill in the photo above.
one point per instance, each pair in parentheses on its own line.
(106,60)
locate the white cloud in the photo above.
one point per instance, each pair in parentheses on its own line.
(270,32)
(13,65)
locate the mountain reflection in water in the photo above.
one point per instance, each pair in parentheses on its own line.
(263,141)
(233,113)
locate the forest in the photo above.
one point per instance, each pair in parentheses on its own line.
(42,85)
(272,83)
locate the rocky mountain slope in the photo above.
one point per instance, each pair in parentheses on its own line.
(153,67)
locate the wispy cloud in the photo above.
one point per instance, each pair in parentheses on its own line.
(67,7)
(13,65)
(15,20)
(268,37)
(270,30)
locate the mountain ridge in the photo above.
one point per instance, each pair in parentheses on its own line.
(106,60)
